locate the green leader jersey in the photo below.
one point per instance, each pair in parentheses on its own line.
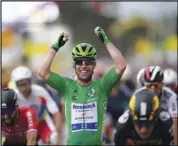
(85,106)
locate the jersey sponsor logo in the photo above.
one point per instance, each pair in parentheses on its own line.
(164,116)
(84,106)
(21,133)
(84,117)
(4,105)
(124,118)
(30,121)
(91,99)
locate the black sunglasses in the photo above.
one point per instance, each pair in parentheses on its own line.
(86,62)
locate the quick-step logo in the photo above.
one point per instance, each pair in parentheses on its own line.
(84,106)
(84,117)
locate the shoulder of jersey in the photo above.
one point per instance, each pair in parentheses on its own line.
(125,117)
(140,89)
(168,92)
(37,88)
(164,115)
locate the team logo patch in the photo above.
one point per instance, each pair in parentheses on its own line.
(91,92)
(74,96)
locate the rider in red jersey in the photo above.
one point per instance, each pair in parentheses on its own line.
(19,124)
(38,98)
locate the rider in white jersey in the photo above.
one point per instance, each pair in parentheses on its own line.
(170,79)
(38,98)
(153,79)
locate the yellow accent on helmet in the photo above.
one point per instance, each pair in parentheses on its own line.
(132,107)
(156,105)
(84,50)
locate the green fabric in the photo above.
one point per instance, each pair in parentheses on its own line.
(103,37)
(85,106)
(60,42)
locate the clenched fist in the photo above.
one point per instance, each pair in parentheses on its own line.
(62,39)
(102,35)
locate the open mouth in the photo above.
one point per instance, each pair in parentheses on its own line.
(83,71)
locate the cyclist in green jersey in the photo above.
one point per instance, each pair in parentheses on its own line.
(85,100)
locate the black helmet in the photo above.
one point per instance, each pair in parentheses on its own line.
(153,74)
(144,106)
(9,99)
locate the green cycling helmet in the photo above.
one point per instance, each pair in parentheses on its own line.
(84,50)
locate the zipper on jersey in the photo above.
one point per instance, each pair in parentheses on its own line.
(84,104)
(84,113)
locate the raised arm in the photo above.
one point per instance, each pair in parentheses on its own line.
(117,57)
(44,70)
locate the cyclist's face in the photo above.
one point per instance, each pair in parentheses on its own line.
(24,87)
(8,116)
(143,131)
(84,69)
(155,87)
